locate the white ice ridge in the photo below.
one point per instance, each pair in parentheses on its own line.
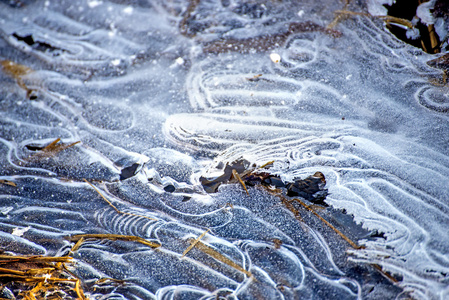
(155,110)
(307,118)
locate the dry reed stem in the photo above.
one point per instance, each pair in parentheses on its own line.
(237,176)
(113,237)
(8,182)
(51,150)
(16,71)
(433,38)
(347,239)
(76,246)
(386,19)
(288,204)
(43,259)
(266,164)
(388,276)
(194,243)
(79,291)
(220,257)
(113,206)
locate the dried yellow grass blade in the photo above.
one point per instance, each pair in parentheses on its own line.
(66,146)
(288,204)
(433,38)
(16,71)
(37,279)
(51,145)
(52,149)
(291,208)
(106,279)
(39,271)
(388,276)
(220,257)
(39,275)
(10,271)
(79,291)
(386,19)
(9,258)
(114,237)
(13,69)
(51,279)
(113,206)
(266,164)
(194,243)
(76,246)
(237,176)
(30,294)
(35,290)
(347,239)
(7,182)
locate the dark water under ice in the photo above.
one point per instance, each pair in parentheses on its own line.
(160,93)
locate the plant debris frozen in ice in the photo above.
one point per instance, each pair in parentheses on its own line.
(112,112)
(310,188)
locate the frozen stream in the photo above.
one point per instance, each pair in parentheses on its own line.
(173,91)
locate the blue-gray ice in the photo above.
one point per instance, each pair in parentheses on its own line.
(141,83)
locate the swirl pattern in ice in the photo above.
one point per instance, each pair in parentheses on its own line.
(159,93)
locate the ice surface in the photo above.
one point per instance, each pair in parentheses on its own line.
(137,83)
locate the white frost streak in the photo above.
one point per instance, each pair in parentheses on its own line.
(377,8)
(423,12)
(20,231)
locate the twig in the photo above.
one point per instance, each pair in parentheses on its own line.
(113,237)
(115,208)
(220,257)
(387,19)
(237,176)
(194,243)
(347,239)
